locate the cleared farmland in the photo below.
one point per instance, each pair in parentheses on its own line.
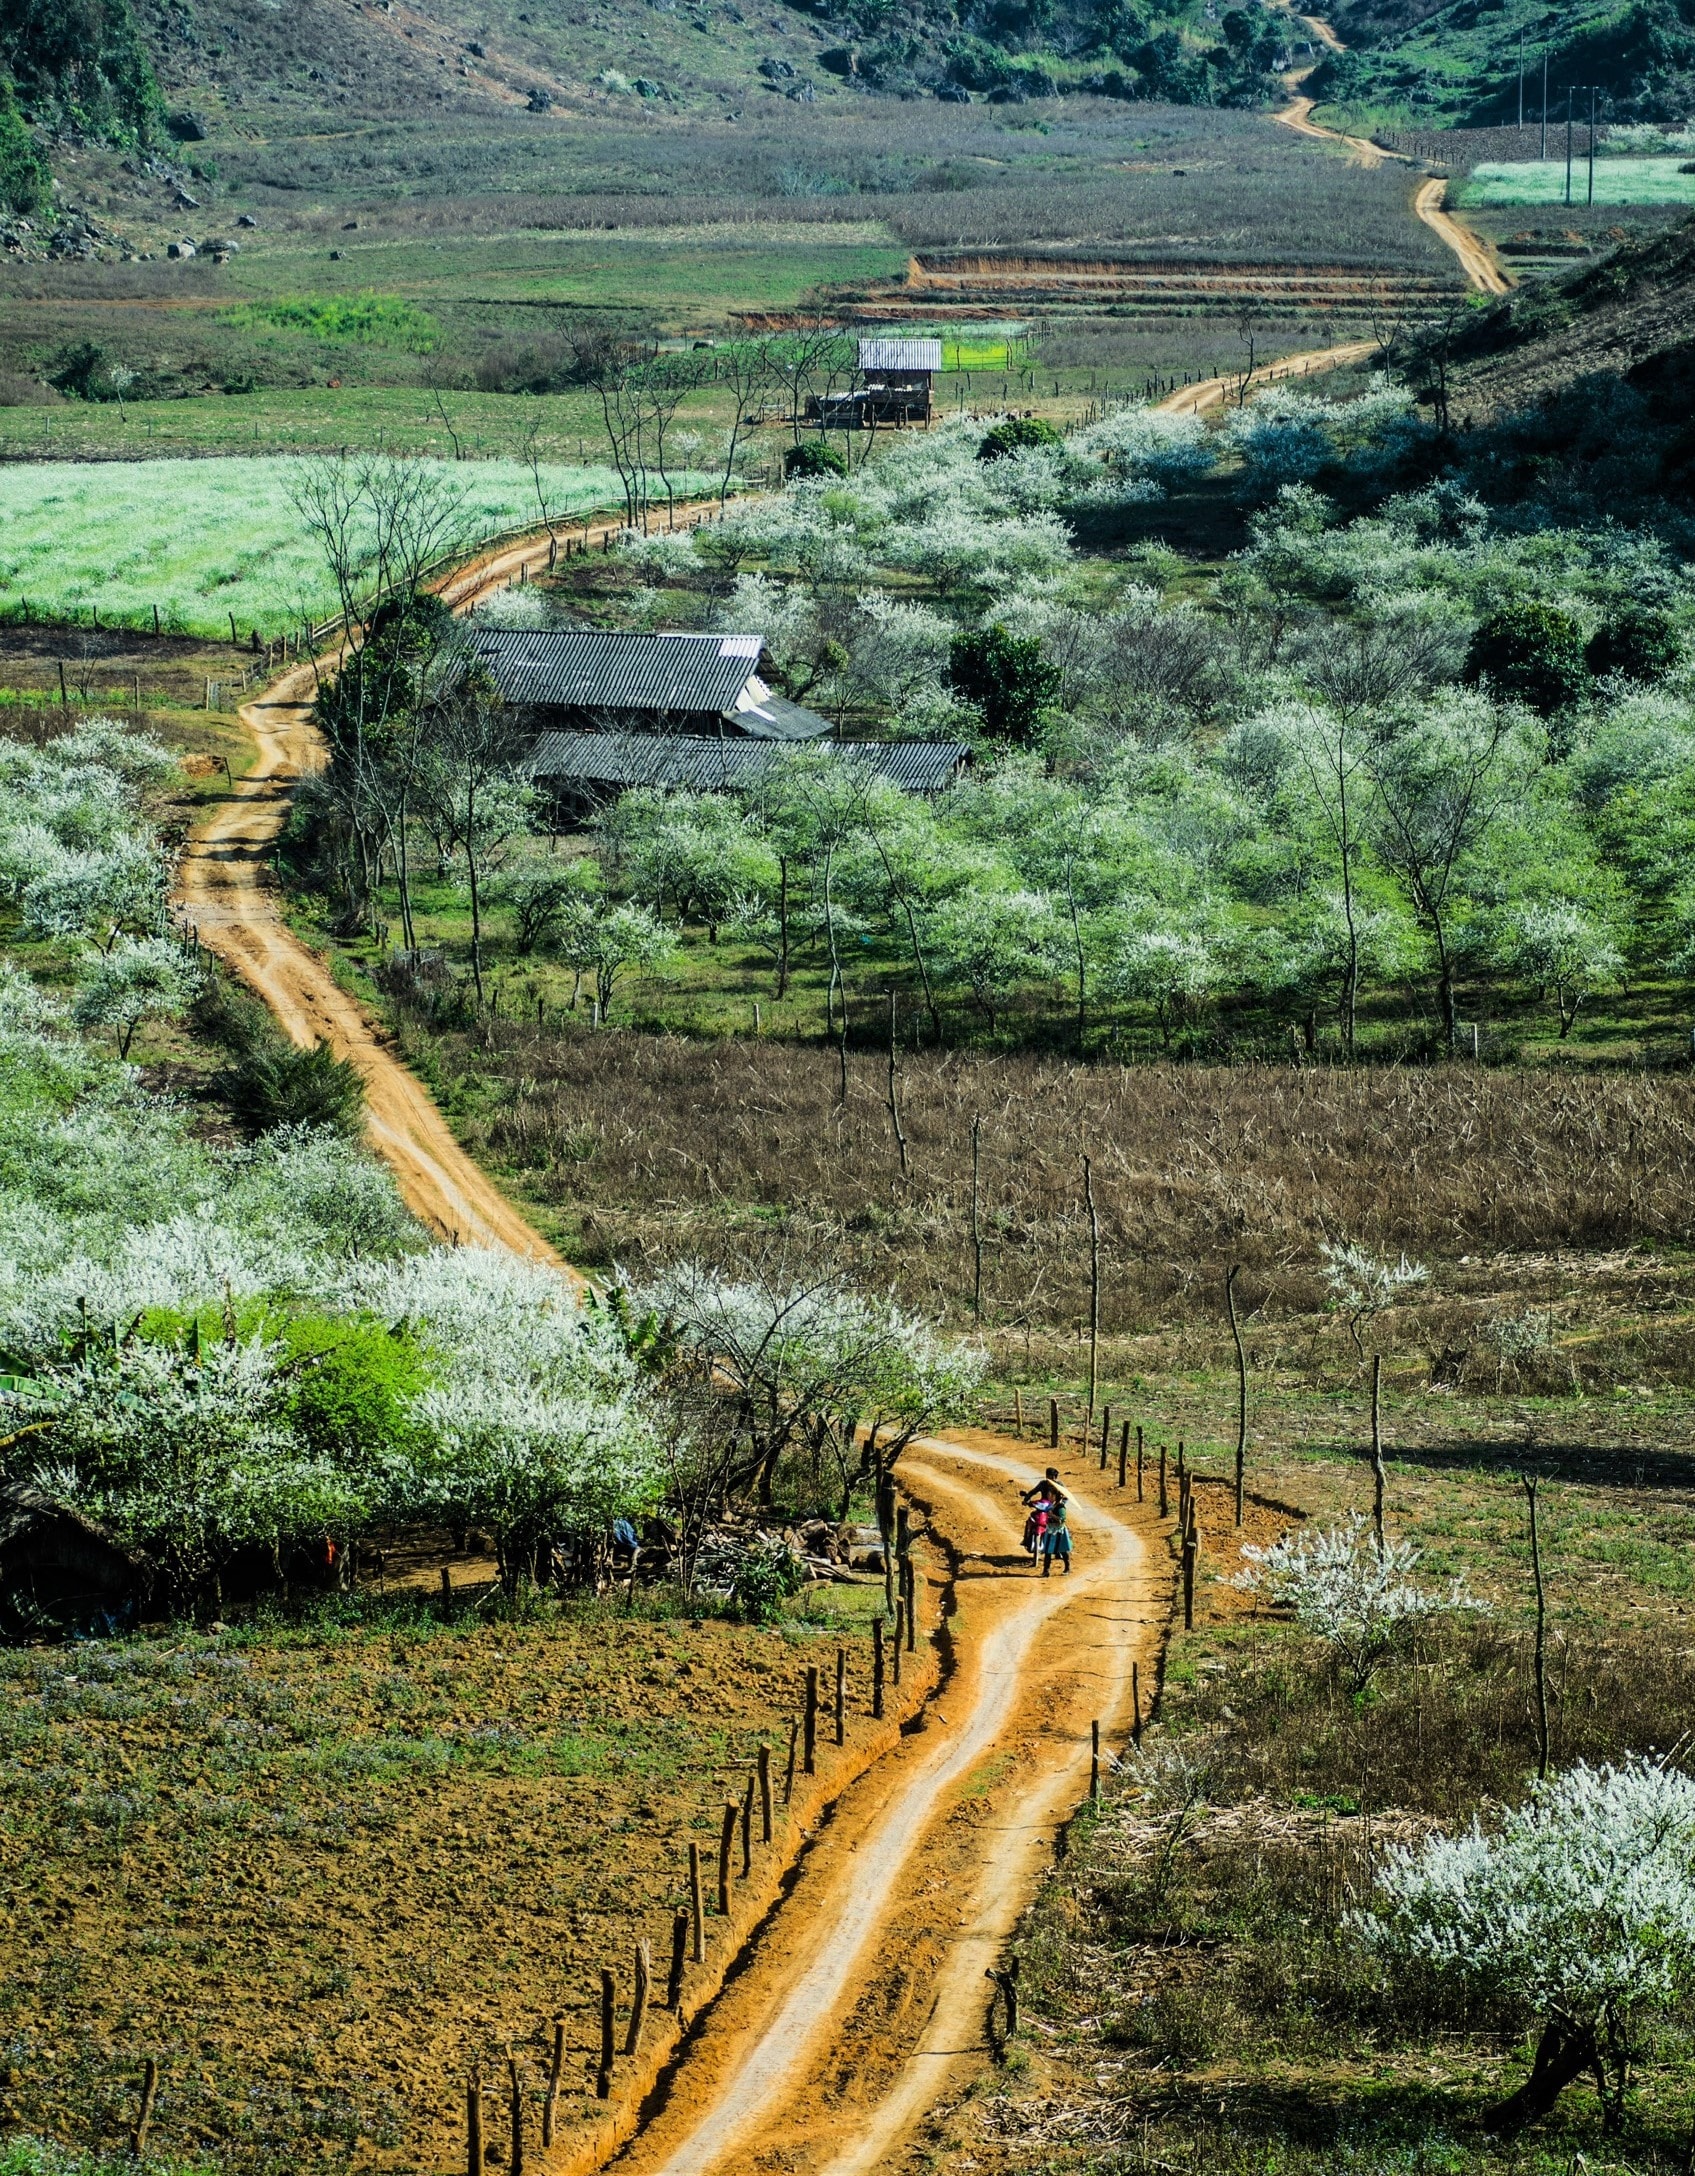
(205,542)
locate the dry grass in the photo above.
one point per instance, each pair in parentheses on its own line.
(642,1146)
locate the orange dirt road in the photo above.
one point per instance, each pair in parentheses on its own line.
(224,891)
(868,1992)
(1194,400)
(1480,268)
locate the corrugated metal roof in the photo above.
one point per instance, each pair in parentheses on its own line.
(708,765)
(900,355)
(591,668)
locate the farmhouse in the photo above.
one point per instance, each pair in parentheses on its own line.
(589,679)
(896,385)
(580,772)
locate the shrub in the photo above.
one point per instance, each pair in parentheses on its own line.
(1007,677)
(277,1084)
(814,458)
(1018,434)
(1529,653)
(1581,1904)
(1351,1593)
(1634,646)
(25,182)
(140,978)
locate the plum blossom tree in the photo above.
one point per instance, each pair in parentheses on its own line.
(139,978)
(1580,1904)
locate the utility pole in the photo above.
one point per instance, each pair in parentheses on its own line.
(1544,103)
(1592,91)
(1571,94)
(1521,79)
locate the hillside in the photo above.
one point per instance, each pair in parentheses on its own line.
(1458,64)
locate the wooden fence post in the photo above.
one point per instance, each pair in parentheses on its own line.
(1135,1703)
(1018,1414)
(515,2163)
(638,2000)
(1123,1453)
(1139,1449)
(697,1905)
(1106,1433)
(900,1633)
(556,2070)
(841,1696)
(877,1669)
(1095,1763)
(809,1750)
(679,1953)
(608,2000)
(726,1837)
(1053,1424)
(747,1826)
(1164,1503)
(474,2124)
(765,1794)
(789,1772)
(144,2116)
(911,1607)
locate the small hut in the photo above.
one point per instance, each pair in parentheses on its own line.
(896,385)
(60,1572)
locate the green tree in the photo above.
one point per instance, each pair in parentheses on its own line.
(814,458)
(81,62)
(25,182)
(1018,434)
(1634,646)
(1007,678)
(1529,653)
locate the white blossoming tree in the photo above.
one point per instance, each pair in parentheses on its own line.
(140,978)
(1341,1585)
(1579,1904)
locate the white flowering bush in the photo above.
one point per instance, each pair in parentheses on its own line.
(1579,1904)
(1144,452)
(1352,1594)
(139,978)
(1362,1284)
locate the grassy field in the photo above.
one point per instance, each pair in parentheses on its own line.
(204,540)
(1617,181)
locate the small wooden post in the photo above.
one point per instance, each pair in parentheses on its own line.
(726,1837)
(679,1956)
(789,1772)
(877,1669)
(765,1794)
(1139,1452)
(447,1583)
(841,1696)
(608,2001)
(1164,1501)
(556,2070)
(1018,1413)
(144,2116)
(697,1905)
(809,1761)
(900,1633)
(1095,1763)
(1123,1452)
(747,1826)
(911,1606)
(516,2103)
(1053,1424)
(1188,1584)
(473,2124)
(638,2000)
(1106,1434)
(1135,1703)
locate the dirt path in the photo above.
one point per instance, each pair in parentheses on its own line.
(1194,400)
(224,890)
(848,2021)
(1480,268)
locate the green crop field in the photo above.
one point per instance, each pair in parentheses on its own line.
(201,540)
(1617,181)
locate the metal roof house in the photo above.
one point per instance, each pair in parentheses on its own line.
(896,385)
(588,679)
(582,771)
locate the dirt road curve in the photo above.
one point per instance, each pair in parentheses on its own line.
(843,2030)
(223,890)
(1297,114)
(1194,400)
(1480,268)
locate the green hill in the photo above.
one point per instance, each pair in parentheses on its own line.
(1458,65)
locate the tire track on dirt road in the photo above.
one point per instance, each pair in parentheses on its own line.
(867,1993)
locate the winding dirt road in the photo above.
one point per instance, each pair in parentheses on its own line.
(1194,400)
(868,1993)
(1480,268)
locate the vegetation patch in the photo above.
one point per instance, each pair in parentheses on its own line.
(383,320)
